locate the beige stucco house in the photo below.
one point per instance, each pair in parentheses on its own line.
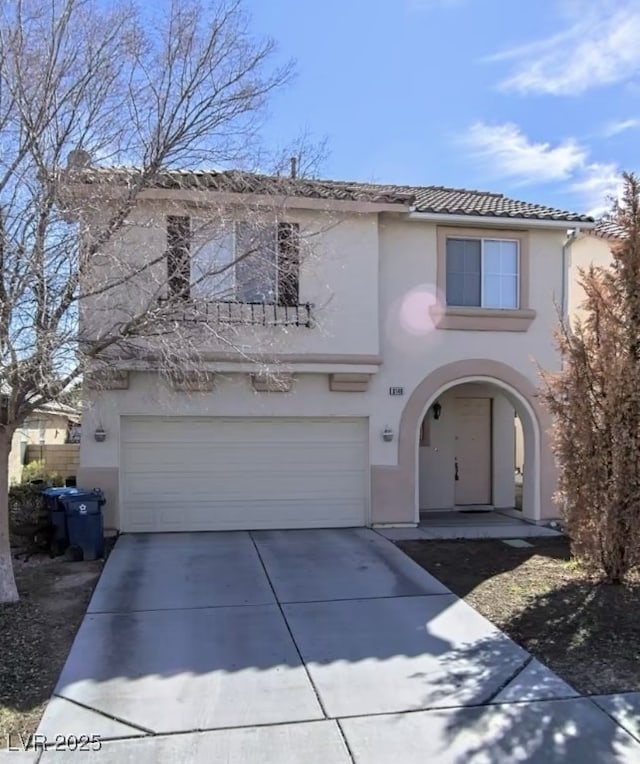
(380,382)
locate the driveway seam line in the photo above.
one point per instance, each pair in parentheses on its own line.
(363,599)
(514,675)
(286,623)
(345,741)
(269,604)
(208,730)
(177,609)
(429,709)
(338,719)
(613,718)
(105,715)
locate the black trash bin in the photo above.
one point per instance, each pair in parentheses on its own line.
(57,517)
(83,510)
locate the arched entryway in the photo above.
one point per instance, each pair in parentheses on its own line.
(481,376)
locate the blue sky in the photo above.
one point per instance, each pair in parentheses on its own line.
(536,99)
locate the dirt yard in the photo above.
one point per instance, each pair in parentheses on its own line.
(586,631)
(36,634)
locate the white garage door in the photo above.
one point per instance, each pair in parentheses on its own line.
(185,474)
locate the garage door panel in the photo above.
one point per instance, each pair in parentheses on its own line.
(187,473)
(283,491)
(188,429)
(194,458)
(272,515)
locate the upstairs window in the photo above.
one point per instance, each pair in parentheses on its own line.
(482,273)
(178,256)
(236,262)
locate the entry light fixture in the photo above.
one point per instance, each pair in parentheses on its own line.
(437,409)
(387,434)
(100,435)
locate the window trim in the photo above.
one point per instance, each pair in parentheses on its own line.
(480,318)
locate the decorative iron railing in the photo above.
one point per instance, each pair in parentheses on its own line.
(239,313)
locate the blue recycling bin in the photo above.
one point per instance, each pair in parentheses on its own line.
(83,512)
(56,515)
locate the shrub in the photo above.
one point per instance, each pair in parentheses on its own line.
(595,403)
(26,506)
(37,470)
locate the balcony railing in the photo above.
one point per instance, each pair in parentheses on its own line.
(240,313)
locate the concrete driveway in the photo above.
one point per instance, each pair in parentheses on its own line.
(317,646)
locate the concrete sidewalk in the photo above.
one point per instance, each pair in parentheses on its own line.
(469,524)
(315,646)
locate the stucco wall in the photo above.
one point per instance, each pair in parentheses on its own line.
(584,251)
(338,275)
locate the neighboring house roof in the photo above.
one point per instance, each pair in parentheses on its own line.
(431,199)
(55,409)
(607,229)
(59,409)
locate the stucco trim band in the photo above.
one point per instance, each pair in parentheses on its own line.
(484,320)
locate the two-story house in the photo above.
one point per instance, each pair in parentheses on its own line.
(374,371)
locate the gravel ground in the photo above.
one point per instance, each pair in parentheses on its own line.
(586,631)
(36,634)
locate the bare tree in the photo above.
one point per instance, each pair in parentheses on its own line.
(183,88)
(595,401)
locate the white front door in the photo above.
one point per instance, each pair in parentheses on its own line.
(472,451)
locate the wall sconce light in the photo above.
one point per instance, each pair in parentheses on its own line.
(437,409)
(387,434)
(100,435)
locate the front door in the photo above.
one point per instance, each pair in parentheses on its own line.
(472,451)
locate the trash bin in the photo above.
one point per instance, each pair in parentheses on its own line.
(56,515)
(83,510)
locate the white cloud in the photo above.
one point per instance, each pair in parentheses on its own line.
(621,126)
(598,184)
(504,151)
(507,152)
(599,47)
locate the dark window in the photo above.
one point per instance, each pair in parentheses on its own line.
(483,273)
(463,272)
(288,263)
(179,256)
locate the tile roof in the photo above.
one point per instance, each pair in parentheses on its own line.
(460,201)
(432,199)
(607,229)
(234,181)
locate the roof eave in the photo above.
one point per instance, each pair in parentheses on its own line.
(497,221)
(208,196)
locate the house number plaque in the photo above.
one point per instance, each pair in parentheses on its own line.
(396,391)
